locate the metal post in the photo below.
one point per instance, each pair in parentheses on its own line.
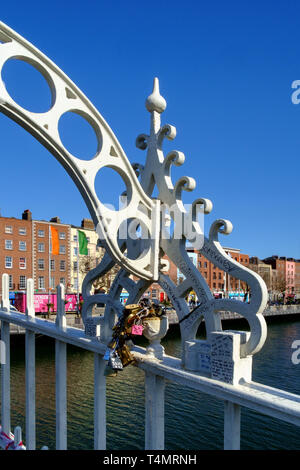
(5,379)
(232,426)
(61,375)
(155,409)
(30,371)
(99,403)
(78,310)
(61,394)
(5,364)
(49,265)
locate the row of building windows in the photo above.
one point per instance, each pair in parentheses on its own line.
(9,229)
(215,267)
(75,251)
(41,264)
(220,285)
(9,262)
(61,235)
(9,245)
(214,274)
(41,282)
(41,233)
(240,260)
(75,238)
(41,247)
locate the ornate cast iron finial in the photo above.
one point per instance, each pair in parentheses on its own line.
(155,102)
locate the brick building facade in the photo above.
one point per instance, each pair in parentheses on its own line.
(24,253)
(286,273)
(46,280)
(94,252)
(16,250)
(217,280)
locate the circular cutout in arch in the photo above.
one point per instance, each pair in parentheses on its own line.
(79,135)
(28,84)
(112,188)
(135,236)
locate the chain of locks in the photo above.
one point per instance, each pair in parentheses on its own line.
(129,325)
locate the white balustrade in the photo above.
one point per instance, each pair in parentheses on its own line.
(5,366)
(30,369)
(232,426)
(154,411)
(258,397)
(99,403)
(61,374)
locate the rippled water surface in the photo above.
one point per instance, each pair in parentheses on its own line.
(193,420)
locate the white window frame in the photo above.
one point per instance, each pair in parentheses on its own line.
(6,262)
(8,241)
(41,282)
(41,245)
(8,229)
(22,231)
(22,265)
(41,233)
(41,264)
(22,243)
(62,249)
(22,286)
(60,265)
(62,235)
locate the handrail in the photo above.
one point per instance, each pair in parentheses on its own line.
(267,400)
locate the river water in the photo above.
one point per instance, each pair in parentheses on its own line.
(192,420)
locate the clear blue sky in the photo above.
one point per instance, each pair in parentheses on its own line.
(225,69)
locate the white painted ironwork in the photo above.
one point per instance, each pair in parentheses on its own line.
(30,370)
(157,171)
(220,366)
(258,397)
(66,97)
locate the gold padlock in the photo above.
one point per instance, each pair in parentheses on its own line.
(112,344)
(132,309)
(125,355)
(129,322)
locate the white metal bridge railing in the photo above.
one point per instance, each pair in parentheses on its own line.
(264,399)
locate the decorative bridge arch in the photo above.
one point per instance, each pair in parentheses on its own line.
(221,365)
(137,258)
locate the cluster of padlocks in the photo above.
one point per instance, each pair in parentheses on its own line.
(129,325)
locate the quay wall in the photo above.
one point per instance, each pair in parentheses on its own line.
(273,311)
